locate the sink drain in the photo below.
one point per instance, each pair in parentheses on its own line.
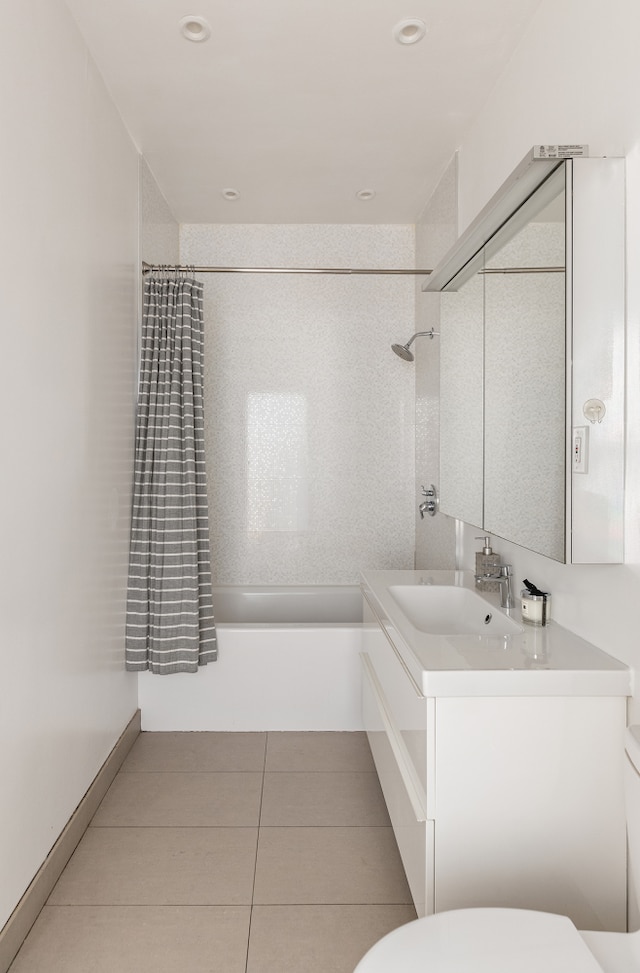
(487,618)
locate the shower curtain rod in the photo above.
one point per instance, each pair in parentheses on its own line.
(189,269)
(182,268)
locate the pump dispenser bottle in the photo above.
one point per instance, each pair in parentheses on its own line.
(487,563)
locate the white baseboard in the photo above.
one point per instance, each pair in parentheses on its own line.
(28,908)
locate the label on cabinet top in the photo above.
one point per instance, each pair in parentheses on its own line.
(560,151)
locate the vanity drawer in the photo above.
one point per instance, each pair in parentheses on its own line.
(404,796)
(411,712)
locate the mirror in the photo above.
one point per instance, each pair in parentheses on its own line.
(503,388)
(461,491)
(532,334)
(524,378)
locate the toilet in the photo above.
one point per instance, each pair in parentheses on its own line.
(518,940)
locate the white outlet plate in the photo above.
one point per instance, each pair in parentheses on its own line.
(580,460)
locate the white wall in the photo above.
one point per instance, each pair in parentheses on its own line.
(309,415)
(68,262)
(159,231)
(575,78)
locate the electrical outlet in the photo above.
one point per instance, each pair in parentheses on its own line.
(580,461)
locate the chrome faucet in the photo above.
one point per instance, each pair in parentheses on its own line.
(504,578)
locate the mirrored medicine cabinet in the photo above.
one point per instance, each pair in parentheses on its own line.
(532,362)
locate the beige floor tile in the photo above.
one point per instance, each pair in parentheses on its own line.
(204,752)
(329,865)
(181,801)
(322,799)
(318,938)
(160,866)
(136,939)
(318,751)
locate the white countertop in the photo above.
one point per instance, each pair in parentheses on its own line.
(538,661)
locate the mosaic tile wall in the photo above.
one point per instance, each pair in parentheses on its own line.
(436,232)
(310,416)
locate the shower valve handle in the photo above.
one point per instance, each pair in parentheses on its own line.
(430,504)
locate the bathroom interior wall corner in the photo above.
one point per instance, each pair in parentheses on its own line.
(159,231)
(68,253)
(561,94)
(552,91)
(309,417)
(435,234)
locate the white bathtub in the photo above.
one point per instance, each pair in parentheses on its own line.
(288,659)
(287,605)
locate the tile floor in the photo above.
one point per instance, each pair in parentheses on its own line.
(228,853)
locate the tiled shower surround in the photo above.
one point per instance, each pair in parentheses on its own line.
(310,416)
(436,232)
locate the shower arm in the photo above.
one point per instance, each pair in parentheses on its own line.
(422,334)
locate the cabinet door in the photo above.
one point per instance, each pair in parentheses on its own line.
(532,362)
(530,806)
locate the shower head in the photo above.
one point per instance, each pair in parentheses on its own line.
(403,350)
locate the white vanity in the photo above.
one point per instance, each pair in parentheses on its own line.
(499,748)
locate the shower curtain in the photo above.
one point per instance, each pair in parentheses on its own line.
(170,625)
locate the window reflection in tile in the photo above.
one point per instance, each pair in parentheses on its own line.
(277,462)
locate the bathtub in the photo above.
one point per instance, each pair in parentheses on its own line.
(288,659)
(287,605)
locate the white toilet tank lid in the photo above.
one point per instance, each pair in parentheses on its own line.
(632,745)
(483,941)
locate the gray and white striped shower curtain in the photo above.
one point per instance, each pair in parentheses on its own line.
(170,626)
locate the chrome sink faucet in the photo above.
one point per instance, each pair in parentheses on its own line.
(505,579)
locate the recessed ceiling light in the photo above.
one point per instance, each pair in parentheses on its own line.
(365,194)
(409,31)
(195,29)
(231,194)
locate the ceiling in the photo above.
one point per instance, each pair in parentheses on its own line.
(300,104)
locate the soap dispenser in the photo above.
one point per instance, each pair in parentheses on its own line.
(487,562)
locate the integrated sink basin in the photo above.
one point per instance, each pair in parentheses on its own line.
(451,610)
(435,621)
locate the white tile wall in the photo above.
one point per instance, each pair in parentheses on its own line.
(435,234)
(310,417)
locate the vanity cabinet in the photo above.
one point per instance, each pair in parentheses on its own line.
(498,800)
